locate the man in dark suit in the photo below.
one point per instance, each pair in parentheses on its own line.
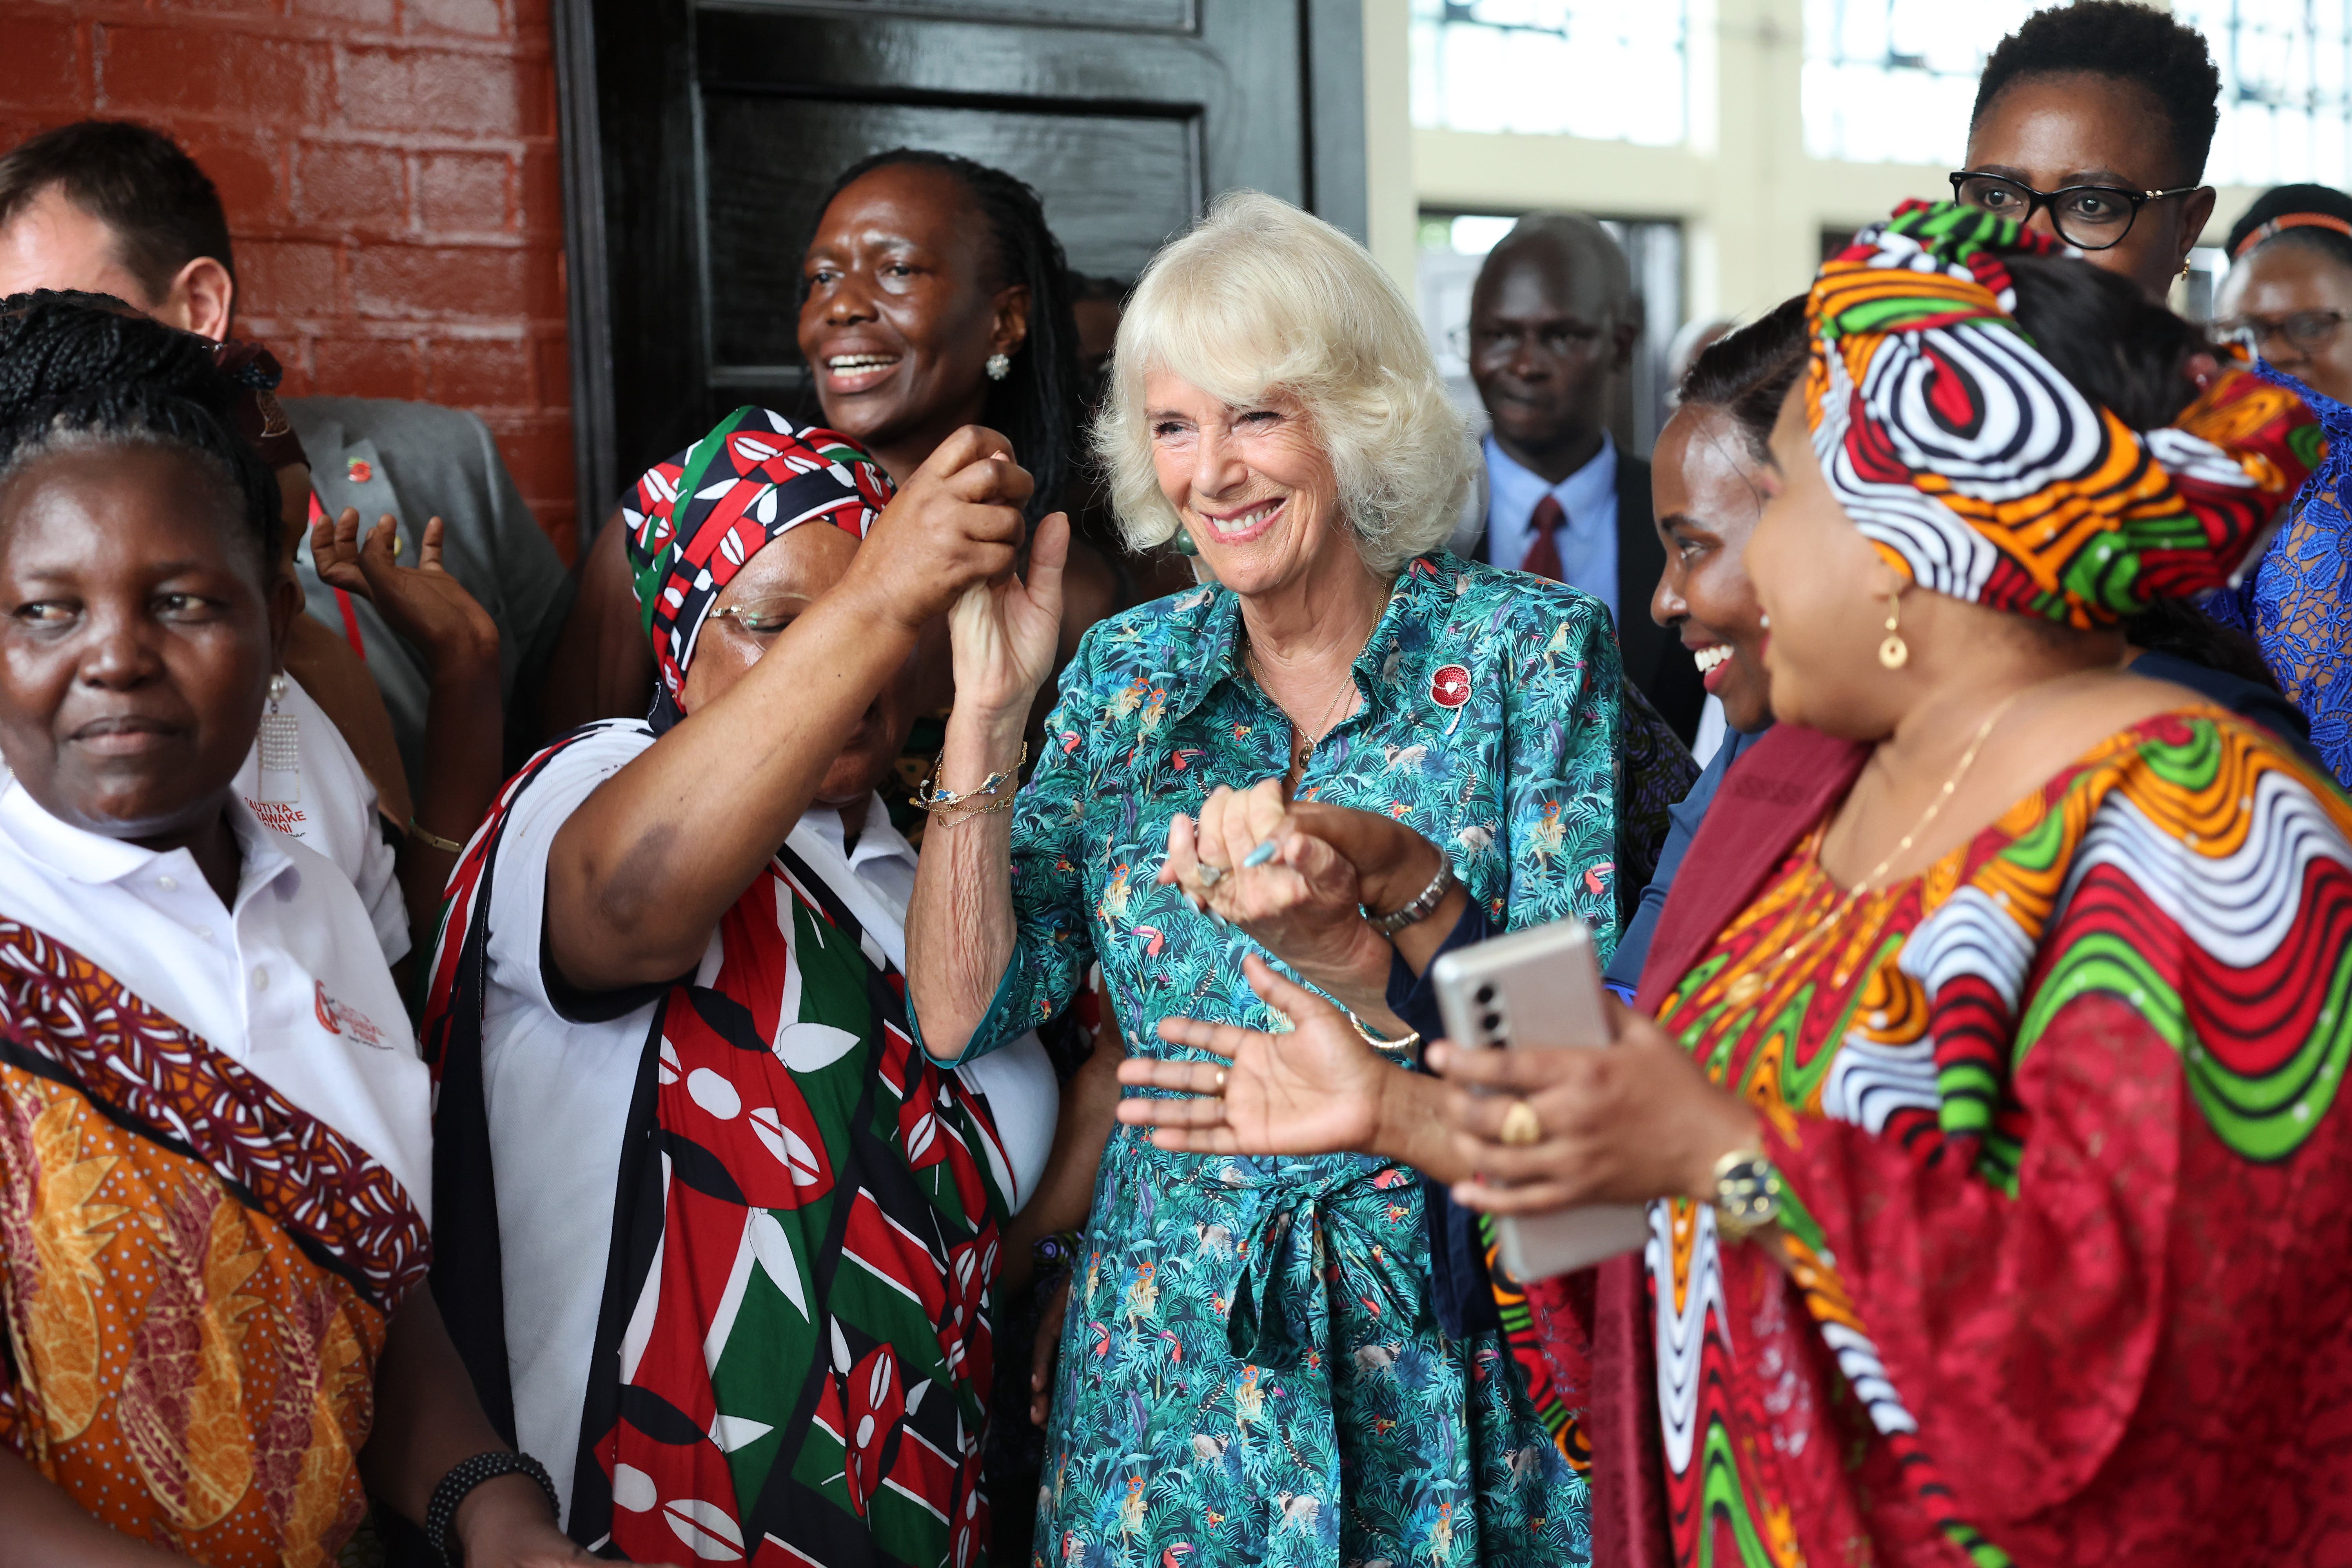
(1553,317)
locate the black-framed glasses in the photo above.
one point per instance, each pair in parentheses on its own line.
(2088,217)
(2307,331)
(1553,340)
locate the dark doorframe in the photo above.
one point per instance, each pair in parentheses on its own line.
(1199,95)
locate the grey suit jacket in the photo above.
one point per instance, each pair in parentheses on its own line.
(418,461)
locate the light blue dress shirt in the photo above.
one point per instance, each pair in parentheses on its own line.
(1587,544)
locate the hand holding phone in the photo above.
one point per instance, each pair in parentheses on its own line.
(1542,985)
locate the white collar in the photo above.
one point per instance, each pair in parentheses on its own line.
(94,859)
(816,838)
(1589,492)
(876,839)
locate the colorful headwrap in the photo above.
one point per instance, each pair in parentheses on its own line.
(695,521)
(1979,470)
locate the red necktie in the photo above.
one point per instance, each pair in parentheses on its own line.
(1543,555)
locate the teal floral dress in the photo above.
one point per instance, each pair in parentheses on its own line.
(1251,1371)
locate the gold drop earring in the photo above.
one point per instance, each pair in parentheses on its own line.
(1894,653)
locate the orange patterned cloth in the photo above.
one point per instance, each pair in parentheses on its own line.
(1979,471)
(196,1276)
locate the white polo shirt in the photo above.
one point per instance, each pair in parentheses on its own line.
(337,817)
(557,1090)
(287,980)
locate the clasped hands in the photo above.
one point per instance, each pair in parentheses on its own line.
(1634,1121)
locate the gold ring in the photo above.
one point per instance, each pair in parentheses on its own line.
(1520,1127)
(1220,1081)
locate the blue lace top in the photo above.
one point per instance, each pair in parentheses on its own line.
(2293,598)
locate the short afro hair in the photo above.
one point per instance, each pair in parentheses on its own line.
(2127,42)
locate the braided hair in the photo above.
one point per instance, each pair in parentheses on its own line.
(78,370)
(1036,406)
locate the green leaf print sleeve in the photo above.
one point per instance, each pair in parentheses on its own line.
(1560,790)
(1053,942)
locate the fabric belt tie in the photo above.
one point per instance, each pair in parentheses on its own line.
(1305,1260)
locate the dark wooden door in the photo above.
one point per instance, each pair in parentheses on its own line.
(699,136)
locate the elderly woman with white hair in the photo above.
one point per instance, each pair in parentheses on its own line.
(1251,1369)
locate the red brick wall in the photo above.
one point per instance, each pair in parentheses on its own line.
(390,176)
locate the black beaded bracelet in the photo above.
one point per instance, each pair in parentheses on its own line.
(462,1478)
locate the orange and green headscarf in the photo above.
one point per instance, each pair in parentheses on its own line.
(1980,471)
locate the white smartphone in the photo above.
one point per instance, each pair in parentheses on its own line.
(1543,985)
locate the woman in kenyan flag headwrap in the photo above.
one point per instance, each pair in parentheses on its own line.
(734,1285)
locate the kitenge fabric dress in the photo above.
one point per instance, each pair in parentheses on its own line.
(1250,1371)
(2069,1211)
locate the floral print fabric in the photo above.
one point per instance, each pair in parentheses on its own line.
(1250,1371)
(2295,599)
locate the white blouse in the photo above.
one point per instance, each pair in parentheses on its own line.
(336,816)
(287,980)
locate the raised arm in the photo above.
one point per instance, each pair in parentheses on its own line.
(638,877)
(463,717)
(959,923)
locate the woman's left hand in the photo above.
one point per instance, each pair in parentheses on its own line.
(504,1523)
(1627,1123)
(1304,904)
(1004,634)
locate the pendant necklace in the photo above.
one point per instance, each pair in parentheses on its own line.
(1747,987)
(1302,744)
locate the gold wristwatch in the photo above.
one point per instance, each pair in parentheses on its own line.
(1748,1193)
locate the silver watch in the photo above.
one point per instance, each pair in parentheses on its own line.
(1428,899)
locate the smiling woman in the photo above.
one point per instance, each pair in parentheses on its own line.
(1256,1334)
(932,297)
(202,1054)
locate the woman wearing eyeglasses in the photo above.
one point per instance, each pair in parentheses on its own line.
(2286,299)
(2288,291)
(2091,124)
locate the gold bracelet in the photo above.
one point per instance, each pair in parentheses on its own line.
(949,815)
(932,798)
(416,830)
(1394,1047)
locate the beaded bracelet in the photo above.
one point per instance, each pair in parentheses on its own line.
(441,1513)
